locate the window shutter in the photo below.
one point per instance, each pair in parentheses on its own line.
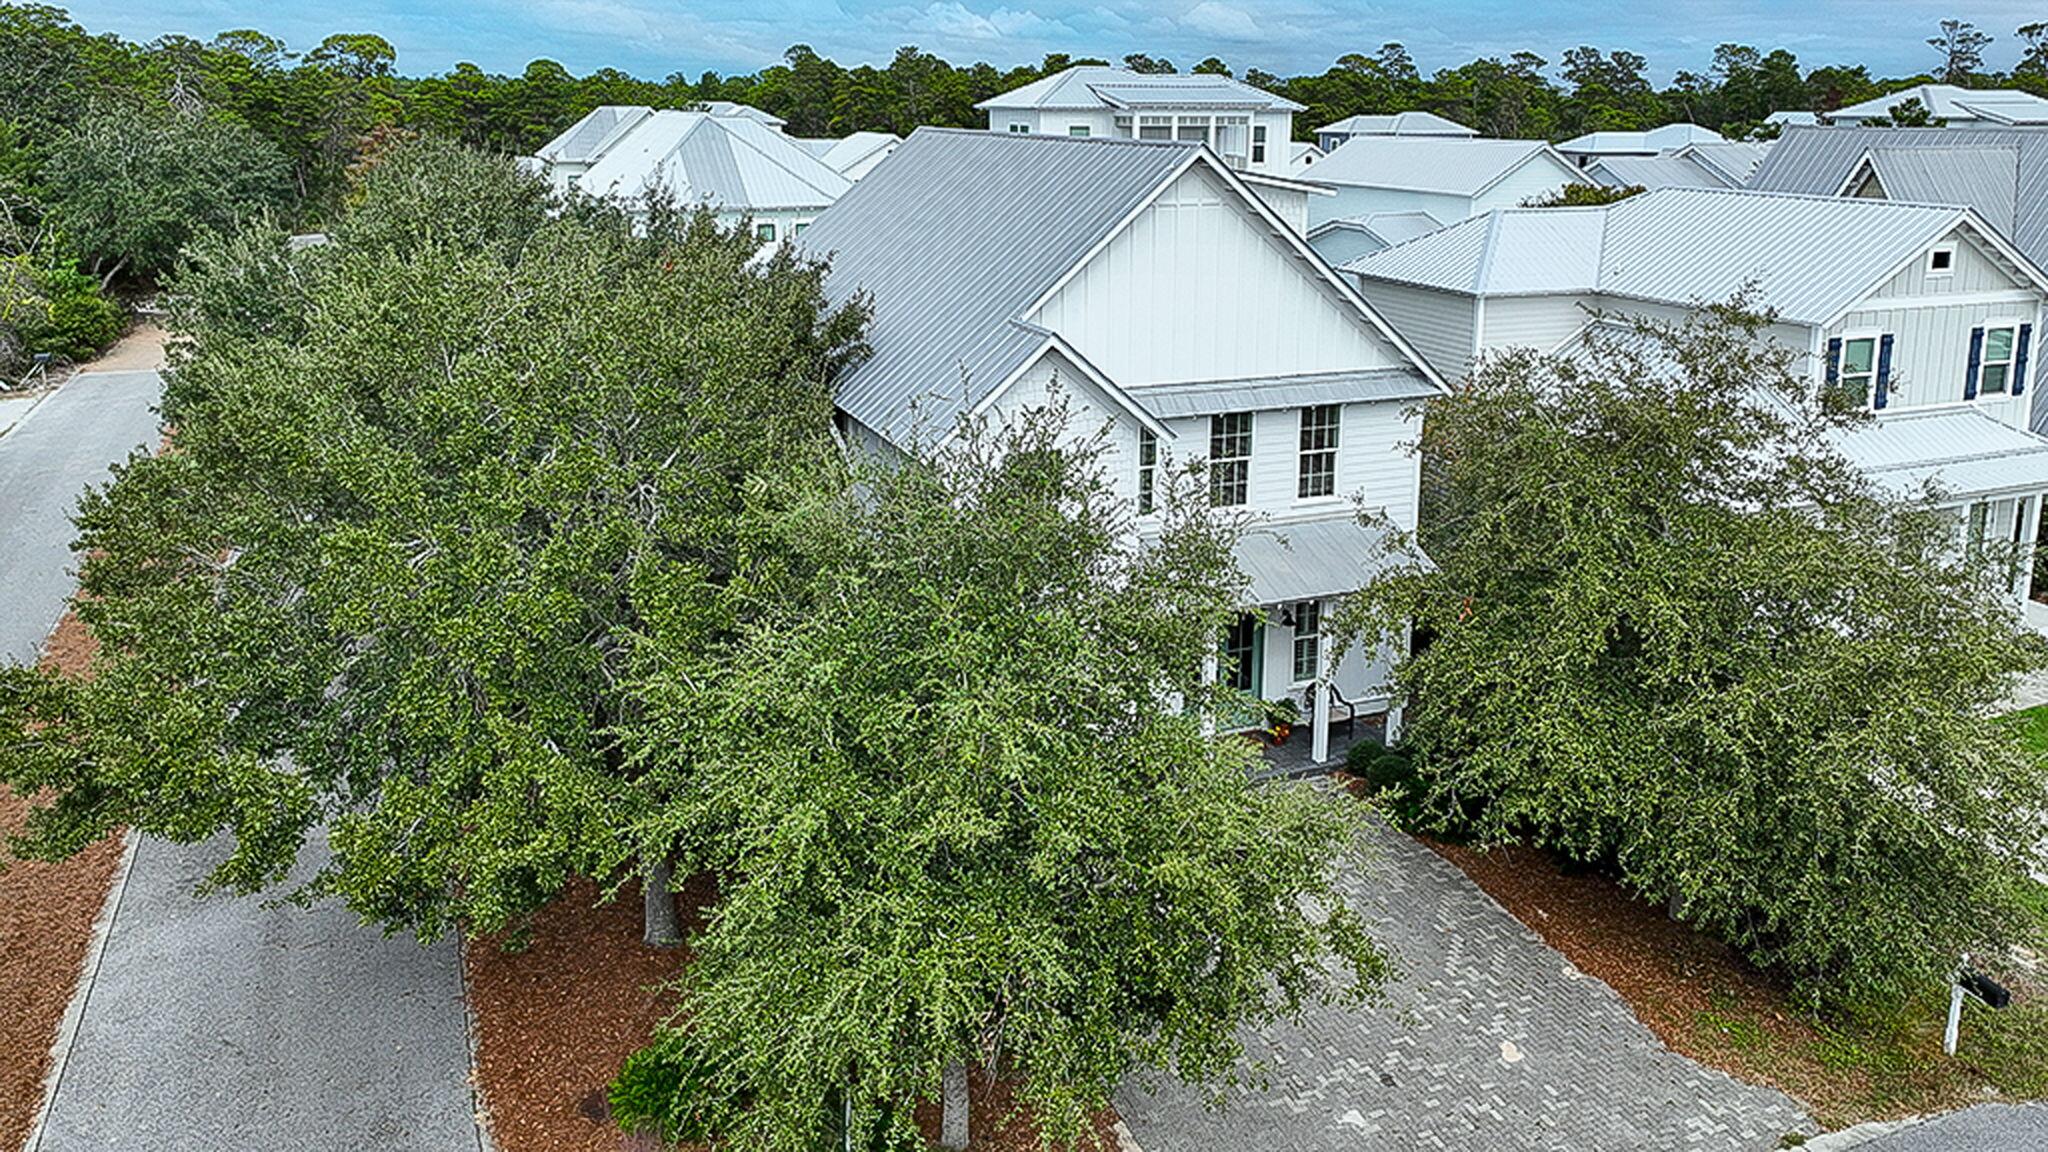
(2019,360)
(1834,365)
(1882,390)
(1976,364)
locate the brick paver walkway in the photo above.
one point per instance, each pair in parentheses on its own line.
(1488,1040)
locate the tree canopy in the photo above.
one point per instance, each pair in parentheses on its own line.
(1671,629)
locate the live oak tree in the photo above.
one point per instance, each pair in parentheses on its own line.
(1668,627)
(958,817)
(391,577)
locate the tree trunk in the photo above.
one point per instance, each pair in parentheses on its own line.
(953,1111)
(107,281)
(663,929)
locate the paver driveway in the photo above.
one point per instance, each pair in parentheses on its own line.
(1489,1040)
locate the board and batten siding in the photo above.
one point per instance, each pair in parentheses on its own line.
(1437,324)
(1974,271)
(1931,351)
(1538,176)
(1198,288)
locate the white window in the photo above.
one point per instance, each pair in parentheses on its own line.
(1856,368)
(1123,127)
(1155,127)
(1994,365)
(1192,130)
(1258,143)
(1148,470)
(764,231)
(1941,261)
(1077,130)
(1308,635)
(1316,474)
(1230,459)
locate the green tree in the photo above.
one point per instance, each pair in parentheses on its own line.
(1582,196)
(393,578)
(129,185)
(954,823)
(1961,46)
(1671,629)
(1150,65)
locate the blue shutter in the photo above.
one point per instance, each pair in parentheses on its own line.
(2019,360)
(1976,364)
(1834,365)
(1884,371)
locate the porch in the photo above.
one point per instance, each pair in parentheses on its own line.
(1296,758)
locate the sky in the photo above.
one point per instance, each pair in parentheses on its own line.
(653,38)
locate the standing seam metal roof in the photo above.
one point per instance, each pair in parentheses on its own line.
(730,162)
(1450,165)
(1092,86)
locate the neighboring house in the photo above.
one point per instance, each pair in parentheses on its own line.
(1783,120)
(1726,165)
(1330,136)
(739,166)
(1300,156)
(1583,150)
(1249,128)
(852,156)
(1923,312)
(2002,173)
(1347,238)
(1445,178)
(1152,290)
(743,111)
(1973,107)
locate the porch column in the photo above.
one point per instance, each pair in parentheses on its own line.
(2028,543)
(1320,694)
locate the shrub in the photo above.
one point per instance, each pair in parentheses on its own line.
(673,1087)
(77,322)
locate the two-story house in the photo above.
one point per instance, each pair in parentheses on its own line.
(1248,128)
(1387,187)
(1158,296)
(1924,313)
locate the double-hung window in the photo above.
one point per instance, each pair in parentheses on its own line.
(1317,472)
(1230,459)
(1308,637)
(1856,369)
(1258,143)
(1994,366)
(1148,471)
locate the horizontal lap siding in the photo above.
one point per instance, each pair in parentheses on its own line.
(1437,324)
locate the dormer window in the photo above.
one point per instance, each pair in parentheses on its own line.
(1941,261)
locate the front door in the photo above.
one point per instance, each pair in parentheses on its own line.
(1243,665)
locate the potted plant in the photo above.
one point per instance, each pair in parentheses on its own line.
(1281,717)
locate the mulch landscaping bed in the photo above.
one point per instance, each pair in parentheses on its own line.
(46,919)
(1703,1000)
(556,1018)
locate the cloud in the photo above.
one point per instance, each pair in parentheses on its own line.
(952,19)
(1222,21)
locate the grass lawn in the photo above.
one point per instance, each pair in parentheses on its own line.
(1705,1001)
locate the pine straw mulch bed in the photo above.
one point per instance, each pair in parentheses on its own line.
(1706,1002)
(46,920)
(556,1017)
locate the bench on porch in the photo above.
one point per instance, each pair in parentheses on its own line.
(1342,712)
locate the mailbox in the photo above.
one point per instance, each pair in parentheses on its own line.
(1985,988)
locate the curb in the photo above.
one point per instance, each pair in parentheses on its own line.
(74,1012)
(480,1111)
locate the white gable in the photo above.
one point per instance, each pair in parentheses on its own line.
(1198,287)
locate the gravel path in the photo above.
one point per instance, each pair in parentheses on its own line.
(1490,1040)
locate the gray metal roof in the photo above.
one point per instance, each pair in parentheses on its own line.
(1178,400)
(952,239)
(1093,86)
(1453,166)
(730,162)
(1807,256)
(1399,124)
(1986,179)
(743,111)
(1733,160)
(1661,139)
(1819,161)
(586,139)
(1950,102)
(1664,170)
(1312,559)
(1958,450)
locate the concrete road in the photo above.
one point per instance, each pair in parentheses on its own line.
(218,1024)
(65,444)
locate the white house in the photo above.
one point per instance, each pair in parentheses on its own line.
(1443,178)
(854,155)
(738,163)
(1583,150)
(1248,128)
(1724,165)
(1332,135)
(1300,156)
(1158,295)
(1973,107)
(1926,313)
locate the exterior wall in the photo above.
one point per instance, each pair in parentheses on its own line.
(1539,322)
(1354,201)
(1974,271)
(1286,203)
(1438,324)
(1198,288)
(1374,465)
(1090,413)
(1539,176)
(1931,352)
(1279,128)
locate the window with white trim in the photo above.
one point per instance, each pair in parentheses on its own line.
(1856,368)
(1155,127)
(1230,459)
(1123,127)
(1020,127)
(1077,130)
(1994,366)
(1316,473)
(1308,640)
(1192,130)
(1258,143)
(1941,261)
(1148,470)
(765,230)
